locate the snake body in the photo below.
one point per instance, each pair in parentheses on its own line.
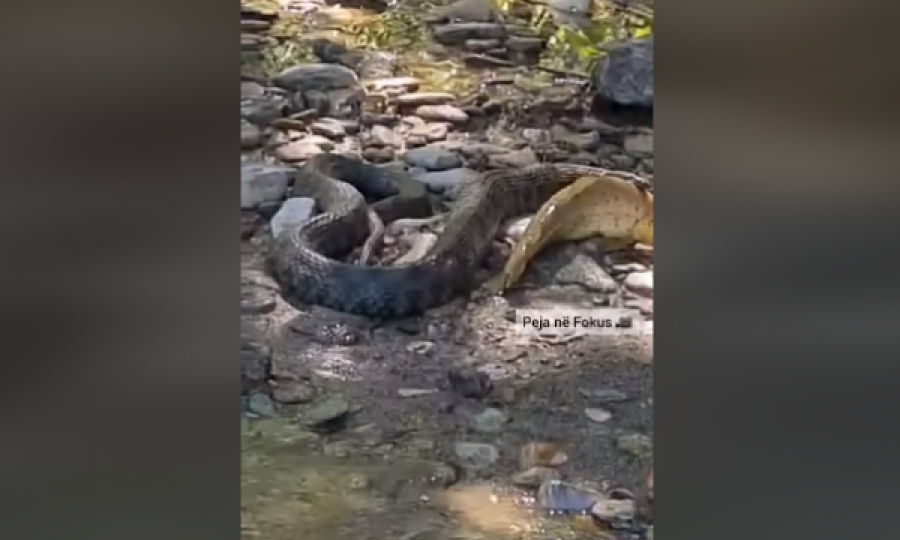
(303,258)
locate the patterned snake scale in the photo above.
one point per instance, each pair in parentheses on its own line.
(302,258)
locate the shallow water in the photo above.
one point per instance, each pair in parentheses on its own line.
(290,490)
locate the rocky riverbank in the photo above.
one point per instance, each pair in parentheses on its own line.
(454,424)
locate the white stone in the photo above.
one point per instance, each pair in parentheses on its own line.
(262,183)
(293,212)
(640,283)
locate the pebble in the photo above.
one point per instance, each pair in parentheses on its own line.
(423,348)
(584,270)
(290,392)
(613,510)
(534,477)
(261,405)
(416,99)
(378,154)
(459,33)
(328,127)
(430,132)
(490,421)
(384,136)
(432,159)
(299,150)
(635,444)
(640,283)
(262,183)
(294,212)
(476,456)
(514,159)
(469,382)
(604,395)
(598,415)
(414,392)
(559,496)
(446,181)
(442,113)
(322,77)
(326,411)
(639,144)
(541,454)
(515,228)
(406,83)
(251,136)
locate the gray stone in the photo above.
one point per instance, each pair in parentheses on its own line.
(251,136)
(328,127)
(262,183)
(604,395)
(625,75)
(446,181)
(430,132)
(534,477)
(639,144)
(459,33)
(490,421)
(432,159)
(613,510)
(294,212)
(476,456)
(322,77)
(384,136)
(598,415)
(442,113)
(261,405)
(425,98)
(583,270)
(302,149)
(640,283)
(330,409)
(635,444)
(514,159)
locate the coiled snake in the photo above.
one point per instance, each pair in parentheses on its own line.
(303,259)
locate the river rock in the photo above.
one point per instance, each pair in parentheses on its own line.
(446,181)
(442,113)
(262,183)
(294,212)
(432,159)
(323,77)
(625,75)
(459,33)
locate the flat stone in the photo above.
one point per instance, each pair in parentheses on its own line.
(432,159)
(459,33)
(328,127)
(430,132)
(490,421)
(583,270)
(321,77)
(381,135)
(639,144)
(262,183)
(294,212)
(514,159)
(598,415)
(251,136)
(625,75)
(640,283)
(303,149)
(614,510)
(378,85)
(425,98)
(446,181)
(332,408)
(558,496)
(476,456)
(442,113)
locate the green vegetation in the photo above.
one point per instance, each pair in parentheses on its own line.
(400,29)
